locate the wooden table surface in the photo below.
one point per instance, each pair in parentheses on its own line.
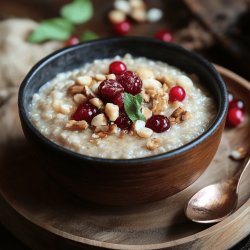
(175,16)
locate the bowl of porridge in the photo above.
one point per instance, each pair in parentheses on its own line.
(125,120)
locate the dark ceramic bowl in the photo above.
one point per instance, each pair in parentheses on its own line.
(121,181)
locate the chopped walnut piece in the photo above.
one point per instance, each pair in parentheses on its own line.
(76,125)
(151,93)
(238,154)
(102,134)
(185,116)
(75,89)
(113,129)
(159,104)
(169,80)
(172,120)
(145,96)
(153,144)
(178,112)
(179,115)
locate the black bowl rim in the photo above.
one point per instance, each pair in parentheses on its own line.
(221,113)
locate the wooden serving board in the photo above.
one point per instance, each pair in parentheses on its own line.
(44,216)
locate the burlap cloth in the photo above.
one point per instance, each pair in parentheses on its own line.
(17,56)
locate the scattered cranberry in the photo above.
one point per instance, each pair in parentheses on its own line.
(235,117)
(118,99)
(158,123)
(164,35)
(123,122)
(85,112)
(117,68)
(230,97)
(122,28)
(177,93)
(131,82)
(73,40)
(236,104)
(109,88)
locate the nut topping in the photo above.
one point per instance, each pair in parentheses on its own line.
(238,153)
(179,115)
(112,111)
(84,80)
(99,120)
(96,102)
(76,125)
(75,89)
(153,144)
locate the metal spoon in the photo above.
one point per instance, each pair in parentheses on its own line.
(217,201)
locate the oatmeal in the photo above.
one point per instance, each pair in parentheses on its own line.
(122,108)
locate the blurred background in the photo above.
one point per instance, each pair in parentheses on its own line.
(217,29)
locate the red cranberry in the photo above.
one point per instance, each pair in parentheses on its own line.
(122,28)
(117,68)
(131,82)
(109,88)
(230,97)
(158,123)
(177,93)
(235,117)
(123,122)
(236,104)
(118,99)
(73,40)
(164,35)
(85,112)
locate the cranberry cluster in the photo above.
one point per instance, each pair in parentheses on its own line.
(112,91)
(235,114)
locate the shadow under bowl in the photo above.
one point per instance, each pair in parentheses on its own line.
(125,181)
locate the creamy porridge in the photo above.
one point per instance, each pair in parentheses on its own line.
(122,107)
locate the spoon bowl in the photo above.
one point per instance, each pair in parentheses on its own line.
(215,202)
(212,203)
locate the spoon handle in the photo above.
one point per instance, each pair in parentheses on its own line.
(239,173)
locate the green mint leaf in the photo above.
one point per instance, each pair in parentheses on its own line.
(79,11)
(132,106)
(88,36)
(52,29)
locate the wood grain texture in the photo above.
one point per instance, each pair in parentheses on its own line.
(44,216)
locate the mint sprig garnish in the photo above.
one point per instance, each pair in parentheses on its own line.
(52,29)
(61,28)
(79,11)
(132,106)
